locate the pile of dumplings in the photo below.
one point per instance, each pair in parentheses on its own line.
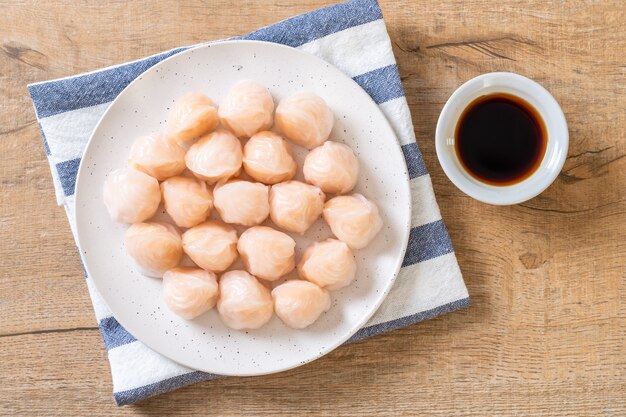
(226,159)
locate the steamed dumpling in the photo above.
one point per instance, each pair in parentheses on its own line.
(353,219)
(244,302)
(215,157)
(305,118)
(247,109)
(242,202)
(188,201)
(157,155)
(267,253)
(192,115)
(267,158)
(154,246)
(131,196)
(189,292)
(299,303)
(211,245)
(333,167)
(294,205)
(329,264)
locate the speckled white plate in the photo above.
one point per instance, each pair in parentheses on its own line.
(205,343)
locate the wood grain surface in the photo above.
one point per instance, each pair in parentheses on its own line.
(546,333)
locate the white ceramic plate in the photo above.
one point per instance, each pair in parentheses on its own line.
(205,343)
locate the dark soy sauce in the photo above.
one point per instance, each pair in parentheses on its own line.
(500,139)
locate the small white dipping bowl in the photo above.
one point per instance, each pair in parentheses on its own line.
(536,96)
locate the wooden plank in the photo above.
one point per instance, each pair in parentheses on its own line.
(546,333)
(390,375)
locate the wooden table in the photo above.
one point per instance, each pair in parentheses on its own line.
(546,333)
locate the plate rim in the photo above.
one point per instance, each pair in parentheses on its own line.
(81,175)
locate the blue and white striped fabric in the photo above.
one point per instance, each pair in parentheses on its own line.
(351,36)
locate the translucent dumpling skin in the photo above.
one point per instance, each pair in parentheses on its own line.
(353,219)
(131,196)
(267,253)
(329,264)
(217,156)
(157,155)
(244,302)
(154,246)
(294,205)
(242,202)
(299,303)
(333,167)
(189,292)
(305,119)
(211,245)
(192,115)
(267,158)
(247,109)
(188,201)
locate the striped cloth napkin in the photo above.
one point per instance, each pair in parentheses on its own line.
(353,37)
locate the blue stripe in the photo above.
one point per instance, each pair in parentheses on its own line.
(305,28)
(137,394)
(377,329)
(414,160)
(45,141)
(82,263)
(170,384)
(88,90)
(426,242)
(67,171)
(114,334)
(382,84)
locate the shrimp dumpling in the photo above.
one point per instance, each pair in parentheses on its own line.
(211,245)
(333,167)
(131,196)
(189,292)
(305,119)
(215,157)
(158,155)
(244,302)
(267,253)
(192,115)
(353,219)
(295,206)
(299,303)
(267,158)
(187,200)
(329,264)
(154,246)
(242,202)
(247,109)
